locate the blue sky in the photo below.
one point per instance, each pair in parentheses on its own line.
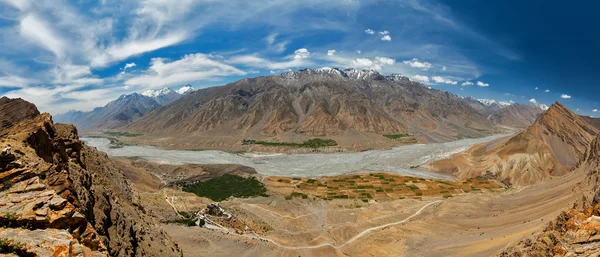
(81,54)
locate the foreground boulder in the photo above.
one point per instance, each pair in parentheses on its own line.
(59,197)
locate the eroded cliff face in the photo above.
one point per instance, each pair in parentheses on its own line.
(62,198)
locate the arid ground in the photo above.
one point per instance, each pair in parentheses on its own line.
(476,223)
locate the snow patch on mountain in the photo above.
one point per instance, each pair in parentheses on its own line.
(185,89)
(157,93)
(542,106)
(488,102)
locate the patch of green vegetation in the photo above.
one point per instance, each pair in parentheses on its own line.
(7,247)
(365,200)
(311,143)
(186,219)
(311,181)
(296,178)
(221,188)
(413,188)
(296,194)
(395,136)
(121,134)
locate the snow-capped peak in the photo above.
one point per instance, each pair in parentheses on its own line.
(489,102)
(157,93)
(542,106)
(361,74)
(185,89)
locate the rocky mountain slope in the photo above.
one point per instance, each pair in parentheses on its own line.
(485,106)
(506,113)
(310,103)
(516,115)
(575,231)
(123,110)
(552,145)
(62,198)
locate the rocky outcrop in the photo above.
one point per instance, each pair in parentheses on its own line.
(13,111)
(572,233)
(62,198)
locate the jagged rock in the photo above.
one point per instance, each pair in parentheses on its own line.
(61,198)
(47,242)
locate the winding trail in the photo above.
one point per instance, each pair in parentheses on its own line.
(388,225)
(359,235)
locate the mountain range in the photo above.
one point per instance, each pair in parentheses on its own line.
(123,110)
(354,107)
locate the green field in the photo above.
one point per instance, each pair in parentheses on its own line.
(396,136)
(221,188)
(312,143)
(121,134)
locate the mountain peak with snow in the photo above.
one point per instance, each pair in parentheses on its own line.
(489,102)
(185,89)
(542,106)
(157,93)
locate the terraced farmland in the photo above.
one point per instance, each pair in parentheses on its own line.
(380,186)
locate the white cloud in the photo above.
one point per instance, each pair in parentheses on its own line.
(595,110)
(362,62)
(415,63)
(278,47)
(191,67)
(331,52)
(385,60)
(421,78)
(565,96)
(370,31)
(386,38)
(547,91)
(129,65)
(358,51)
(439,79)
(39,32)
(135,47)
(375,64)
(444,68)
(258,62)
(15,81)
(533,101)
(385,32)
(301,53)
(536,88)
(467,83)
(481,84)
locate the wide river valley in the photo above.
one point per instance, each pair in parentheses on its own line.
(397,160)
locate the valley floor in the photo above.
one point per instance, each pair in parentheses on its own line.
(473,224)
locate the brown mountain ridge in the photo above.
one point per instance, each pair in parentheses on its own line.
(354,107)
(552,145)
